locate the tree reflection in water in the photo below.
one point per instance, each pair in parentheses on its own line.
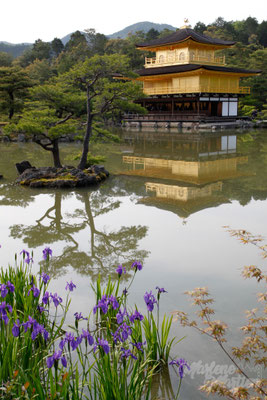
(107,247)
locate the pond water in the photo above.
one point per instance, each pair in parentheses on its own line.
(166,203)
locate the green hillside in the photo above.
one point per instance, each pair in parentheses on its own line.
(140,26)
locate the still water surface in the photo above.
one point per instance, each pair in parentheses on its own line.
(166,203)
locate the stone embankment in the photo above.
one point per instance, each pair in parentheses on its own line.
(65,177)
(196,126)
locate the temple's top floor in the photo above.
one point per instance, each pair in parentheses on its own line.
(184,46)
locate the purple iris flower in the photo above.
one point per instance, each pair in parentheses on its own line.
(181,364)
(55,357)
(4,307)
(120,315)
(161,290)
(45,334)
(70,286)
(138,345)
(127,353)
(69,337)
(88,336)
(122,333)
(41,309)
(45,298)
(45,277)
(26,256)
(137,265)
(28,324)
(121,270)
(125,292)
(47,253)
(79,316)
(75,342)
(3,290)
(150,300)
(35,290)
(64,361)
(37,328)
(15,329)
(50,362)
(114,302)
(104,302)
(10,286)
(136,316)
(56,299)
(102,343)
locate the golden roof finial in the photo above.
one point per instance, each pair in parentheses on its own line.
(186,25)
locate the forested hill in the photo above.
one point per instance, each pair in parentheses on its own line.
(44,60)
(140,26)
(15,50)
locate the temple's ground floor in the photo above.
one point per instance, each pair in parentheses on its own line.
(195,107)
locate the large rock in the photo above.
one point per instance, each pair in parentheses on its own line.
(22,166)
(21,137)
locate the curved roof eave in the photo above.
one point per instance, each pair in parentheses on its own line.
(181,36)
(193,67)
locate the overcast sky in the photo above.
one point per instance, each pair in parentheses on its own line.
(28,20)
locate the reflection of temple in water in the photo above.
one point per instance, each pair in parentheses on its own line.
(182,193)
(190,177)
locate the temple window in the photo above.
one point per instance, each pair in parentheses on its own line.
(193,55)
(182,56)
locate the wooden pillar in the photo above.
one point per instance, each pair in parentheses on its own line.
(219,109)
(209,110)
(172,106)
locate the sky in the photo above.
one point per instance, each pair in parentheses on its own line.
(28,20)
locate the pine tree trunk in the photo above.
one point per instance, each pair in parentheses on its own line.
(87,136)
(11,107)
(55,153)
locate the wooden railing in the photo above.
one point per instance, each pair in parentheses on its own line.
(165,117)
(196,89)
(174,60)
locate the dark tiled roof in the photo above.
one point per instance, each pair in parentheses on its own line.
(183,34)
(173,69)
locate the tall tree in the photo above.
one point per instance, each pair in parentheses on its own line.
(40,71)
(5,59)
(57,46)
(152,34)
(96,41)
(76,50)
(200,27)
(41,50)
(50,117)
(262,33)
(14,85)
(103,93)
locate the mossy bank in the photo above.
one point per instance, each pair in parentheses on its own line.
(66,177)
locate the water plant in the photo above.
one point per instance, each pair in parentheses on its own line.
(111,353)
(252,351)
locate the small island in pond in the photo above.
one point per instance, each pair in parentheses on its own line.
(65,177)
